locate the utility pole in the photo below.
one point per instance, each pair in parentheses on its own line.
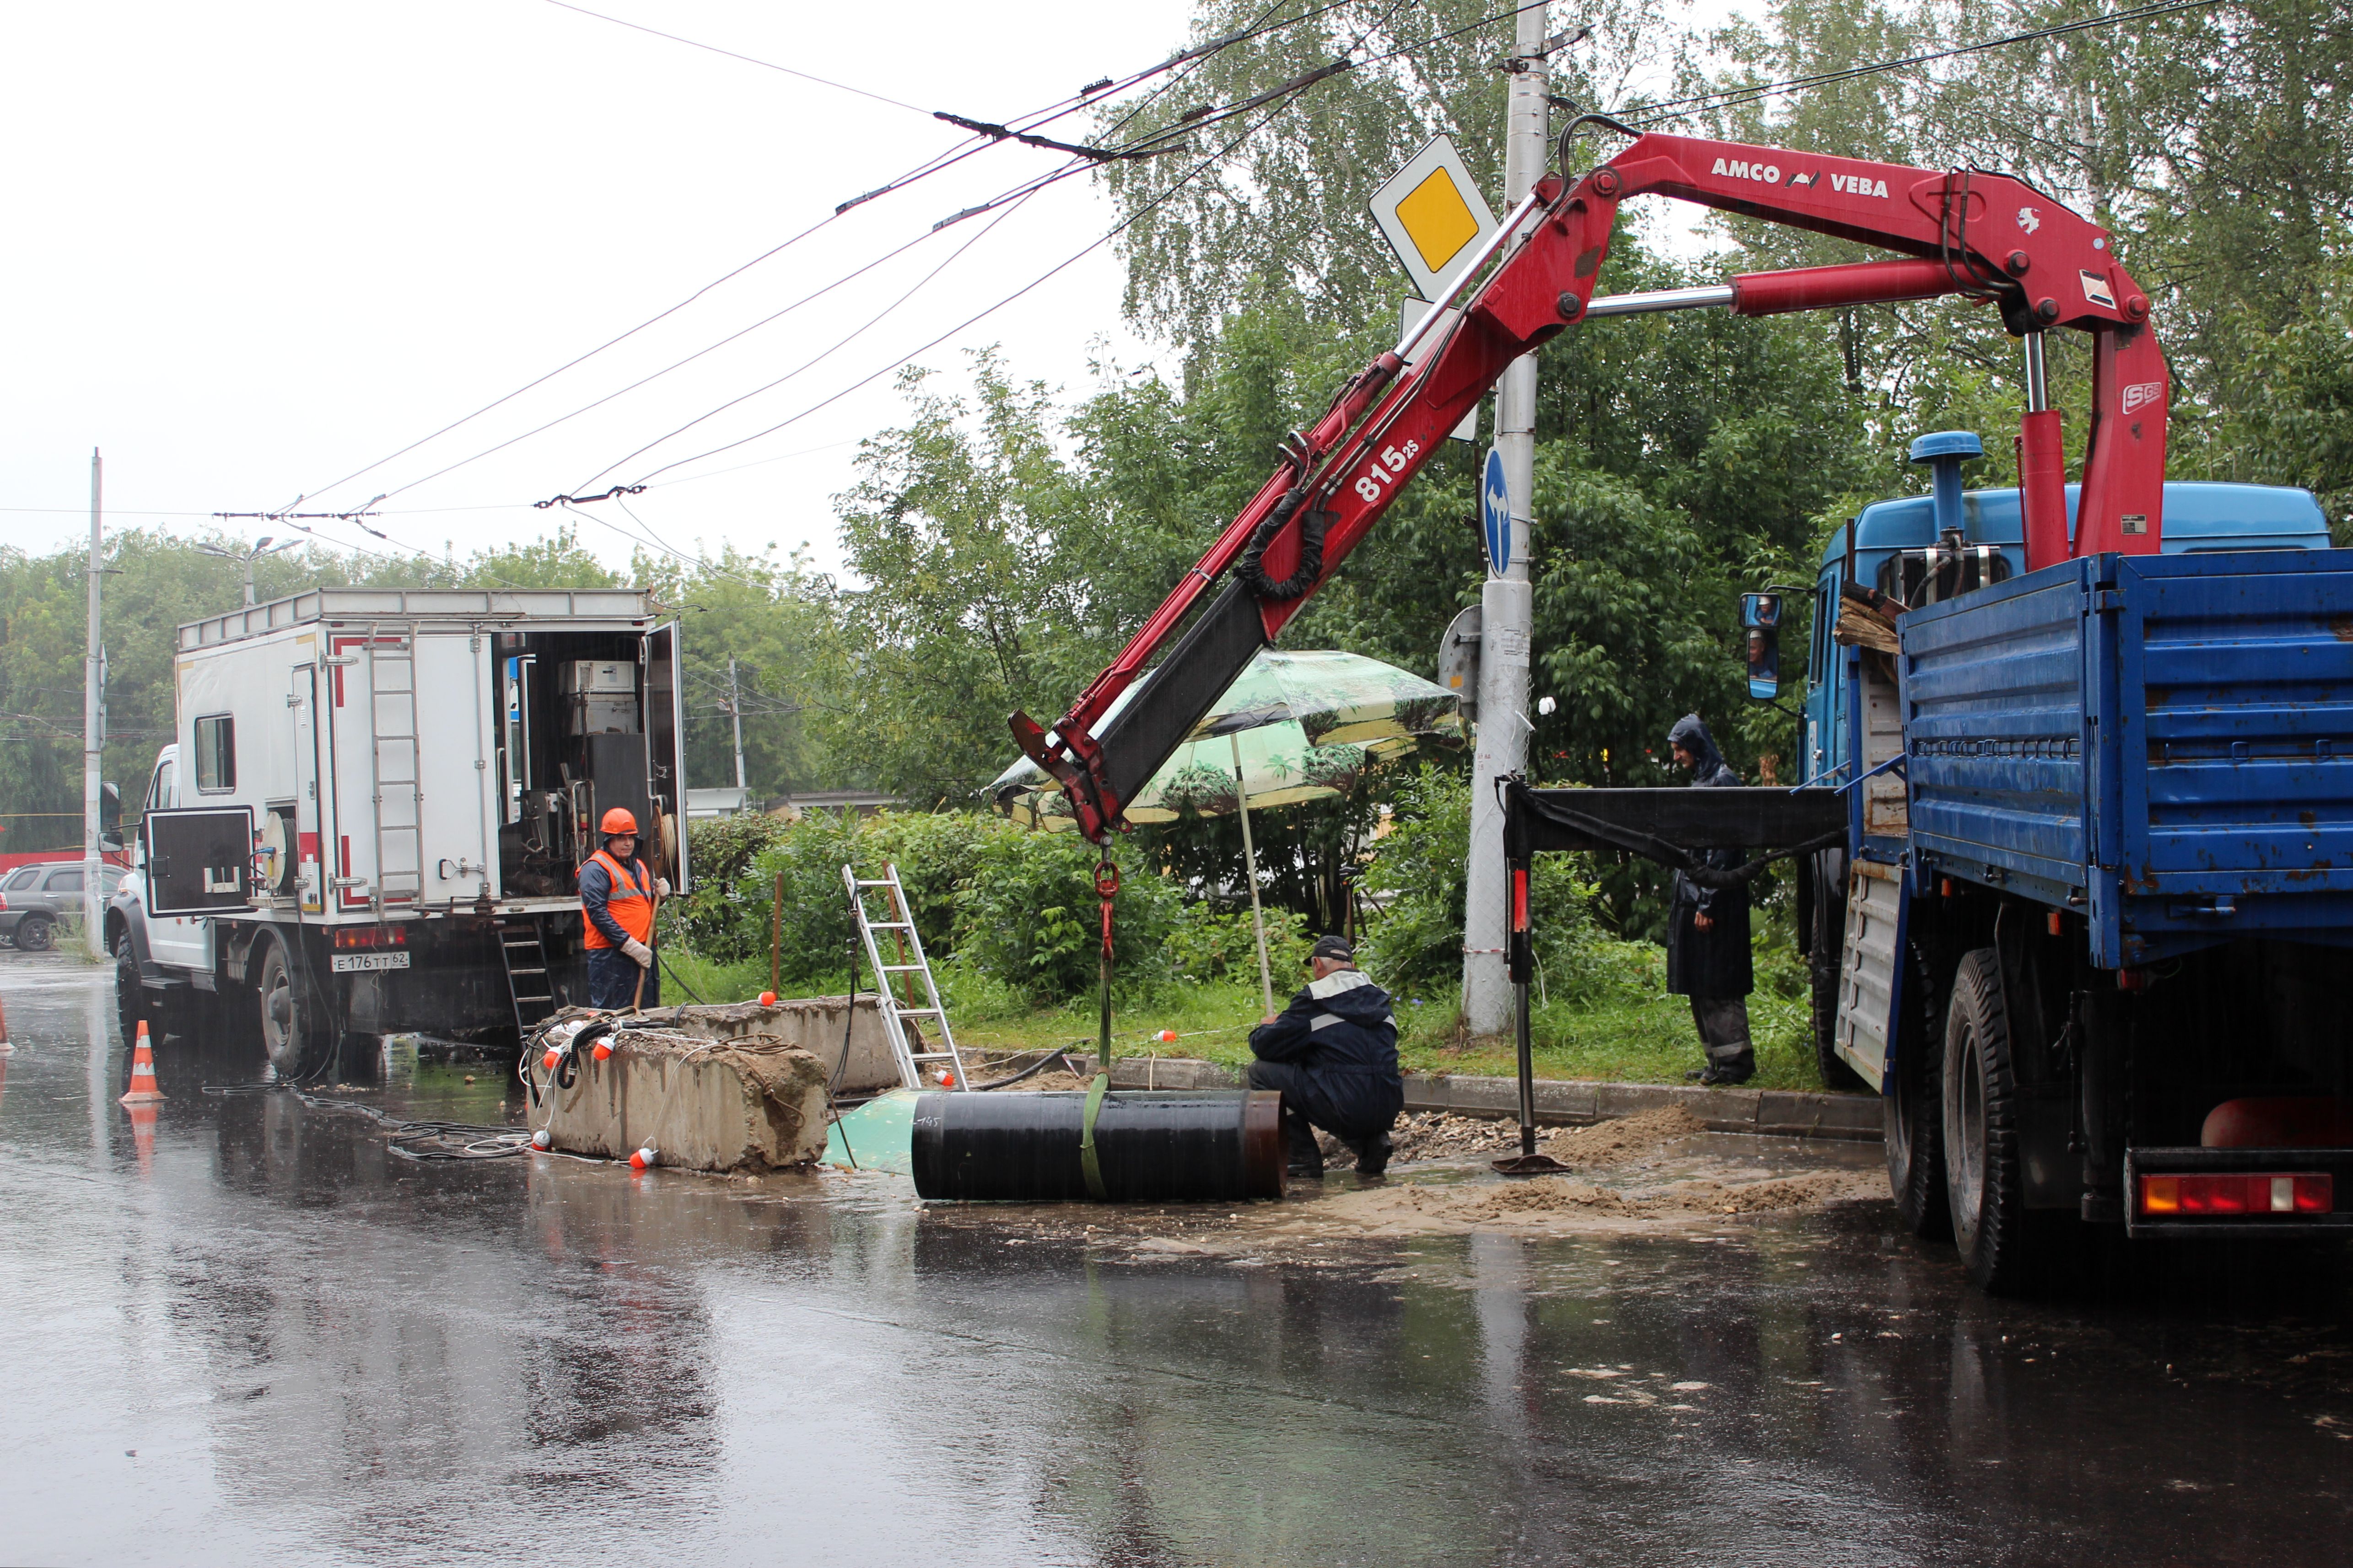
(1506,602)
(93,924)
(735,713)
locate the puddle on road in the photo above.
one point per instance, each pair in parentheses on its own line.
(250,1331)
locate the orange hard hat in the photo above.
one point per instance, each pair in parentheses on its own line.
(618,821)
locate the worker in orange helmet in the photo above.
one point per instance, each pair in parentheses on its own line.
(616,909)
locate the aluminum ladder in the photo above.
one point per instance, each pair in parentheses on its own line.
(529,986)
(394,763)
(896,1014)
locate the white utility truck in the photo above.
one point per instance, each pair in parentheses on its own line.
(372,814)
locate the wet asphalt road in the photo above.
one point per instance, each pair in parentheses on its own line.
(268,1337)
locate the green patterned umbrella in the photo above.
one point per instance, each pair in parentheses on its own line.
(1308,724)
(1293,727)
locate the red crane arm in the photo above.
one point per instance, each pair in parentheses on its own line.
(1963,232)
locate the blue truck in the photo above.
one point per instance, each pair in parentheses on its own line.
(2088,932)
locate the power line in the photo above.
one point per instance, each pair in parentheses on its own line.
(748,59)
(975,238)
(1283,97)
(986,311)
(1735,97)
(933,165)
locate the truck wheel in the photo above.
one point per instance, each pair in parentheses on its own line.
(1984,1184)
(1913,1112)
(129,999)
(33,934)
(294,1041)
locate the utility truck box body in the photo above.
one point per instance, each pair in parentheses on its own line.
(413,778)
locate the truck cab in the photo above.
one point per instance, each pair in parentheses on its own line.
(1893,546)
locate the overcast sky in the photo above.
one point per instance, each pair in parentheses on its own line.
(257,247)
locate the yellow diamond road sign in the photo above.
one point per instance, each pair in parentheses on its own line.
(1433,217)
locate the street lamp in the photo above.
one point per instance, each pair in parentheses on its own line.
(261,547)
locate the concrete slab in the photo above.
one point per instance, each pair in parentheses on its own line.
(813,1024)
(750,1102)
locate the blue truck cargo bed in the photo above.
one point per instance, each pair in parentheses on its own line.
(2161,743)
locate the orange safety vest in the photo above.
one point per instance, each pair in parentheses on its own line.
(631,904)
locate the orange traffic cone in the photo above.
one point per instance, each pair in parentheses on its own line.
(5,1046)
(143,1089)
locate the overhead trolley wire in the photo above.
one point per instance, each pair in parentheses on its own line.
(1290,95)
(1735,97)
(748,59)
(1187,58)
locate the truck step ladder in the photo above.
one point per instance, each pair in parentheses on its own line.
(395,771)
(900,1013)
(529,986)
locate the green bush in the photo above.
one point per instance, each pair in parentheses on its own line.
(1417,880)
(1211,944)
(1028,914)
(719,851)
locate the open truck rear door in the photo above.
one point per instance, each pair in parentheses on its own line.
(199,860)
(666,754)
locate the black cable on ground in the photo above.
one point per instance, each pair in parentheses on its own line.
(1059,1054)
(682,985)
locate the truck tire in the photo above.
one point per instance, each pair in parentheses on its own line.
(34,933)
(132,1002)
(1828,918)
(1912,1114)
(294,1041)
(2002,1248)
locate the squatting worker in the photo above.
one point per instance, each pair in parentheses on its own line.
(1333,1053)
(617,911)
(1707,935)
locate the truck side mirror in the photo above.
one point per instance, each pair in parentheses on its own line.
(1760,617)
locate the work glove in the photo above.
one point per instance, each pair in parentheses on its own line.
(661,888)
(640,952)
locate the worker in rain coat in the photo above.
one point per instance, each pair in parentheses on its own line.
(618,895)
(1707,930)
(1333,1054)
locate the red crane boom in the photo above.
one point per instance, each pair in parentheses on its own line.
(1990,236)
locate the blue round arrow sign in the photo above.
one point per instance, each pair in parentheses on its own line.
(1495,514)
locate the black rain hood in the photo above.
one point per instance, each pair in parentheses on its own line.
(1691,733)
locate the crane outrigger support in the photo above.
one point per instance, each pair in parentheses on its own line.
(1981,236)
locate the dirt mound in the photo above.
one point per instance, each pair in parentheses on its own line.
(1629,1137)
(1552,1204)
(1424,1136)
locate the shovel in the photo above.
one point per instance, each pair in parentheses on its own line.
(1527,1161)
(637,998)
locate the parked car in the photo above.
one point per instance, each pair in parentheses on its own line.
(34,897)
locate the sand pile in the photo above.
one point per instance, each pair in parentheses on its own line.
(1628,1138)
(1554,1204)
(1424,1136)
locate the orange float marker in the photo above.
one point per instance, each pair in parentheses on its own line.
(143,1089)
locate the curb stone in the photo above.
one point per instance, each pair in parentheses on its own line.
(1573,1102)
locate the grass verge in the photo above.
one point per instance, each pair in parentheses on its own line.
(1628,1030)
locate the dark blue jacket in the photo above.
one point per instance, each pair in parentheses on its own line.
(1340,1033)
(1712,962)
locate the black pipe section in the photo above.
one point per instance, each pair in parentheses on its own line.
(1169,1146)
